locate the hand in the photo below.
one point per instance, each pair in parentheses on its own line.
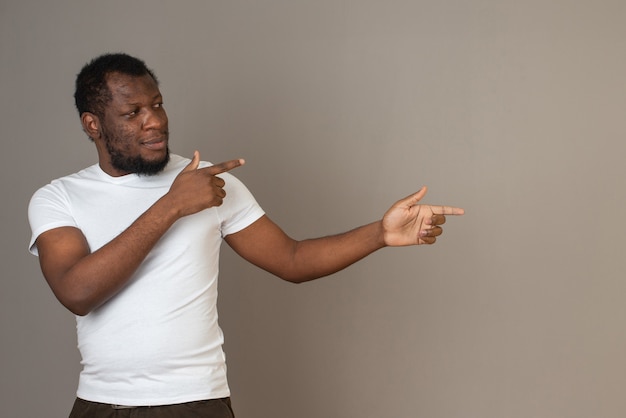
(196,189)
(407,223)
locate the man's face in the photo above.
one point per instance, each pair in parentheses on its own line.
(134,126)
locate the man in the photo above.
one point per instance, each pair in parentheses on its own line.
(131,245)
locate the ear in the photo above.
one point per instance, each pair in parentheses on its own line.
(91,125)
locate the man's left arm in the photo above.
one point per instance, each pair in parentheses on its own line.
(267,246)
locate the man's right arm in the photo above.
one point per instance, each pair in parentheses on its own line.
(83,280)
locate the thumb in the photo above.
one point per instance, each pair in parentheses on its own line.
(415,197)
(195,162)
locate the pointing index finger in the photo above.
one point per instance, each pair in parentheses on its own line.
(224,166)
(447,210)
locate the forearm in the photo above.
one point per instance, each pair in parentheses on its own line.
(315,258)
(97,276)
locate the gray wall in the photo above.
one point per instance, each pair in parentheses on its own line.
(511,109)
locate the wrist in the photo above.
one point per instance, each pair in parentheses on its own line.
(380,234)
(166,209)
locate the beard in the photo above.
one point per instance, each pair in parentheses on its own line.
(133,163)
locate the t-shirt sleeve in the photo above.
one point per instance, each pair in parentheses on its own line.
(239,209)
(48,209)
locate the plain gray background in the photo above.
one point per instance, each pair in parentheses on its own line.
(514,110)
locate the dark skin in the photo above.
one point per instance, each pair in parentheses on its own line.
(82,280)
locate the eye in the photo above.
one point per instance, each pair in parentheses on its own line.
(158,105)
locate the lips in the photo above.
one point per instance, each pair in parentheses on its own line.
(155,144)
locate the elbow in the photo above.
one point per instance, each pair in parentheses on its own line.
(77,308)
(76,299)
(287,276)
(76,305)
(297,278)
(292,280)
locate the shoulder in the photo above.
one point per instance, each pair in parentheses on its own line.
(59,187)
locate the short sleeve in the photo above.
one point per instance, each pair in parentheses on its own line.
(240,209)
(48,209)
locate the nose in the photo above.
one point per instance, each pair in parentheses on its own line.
(156,118)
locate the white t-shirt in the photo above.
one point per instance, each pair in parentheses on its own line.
(157,341)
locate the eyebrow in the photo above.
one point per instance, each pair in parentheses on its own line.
(155,97)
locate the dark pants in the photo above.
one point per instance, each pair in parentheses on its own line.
(213,408)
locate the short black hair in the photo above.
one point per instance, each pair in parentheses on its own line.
(92,93)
